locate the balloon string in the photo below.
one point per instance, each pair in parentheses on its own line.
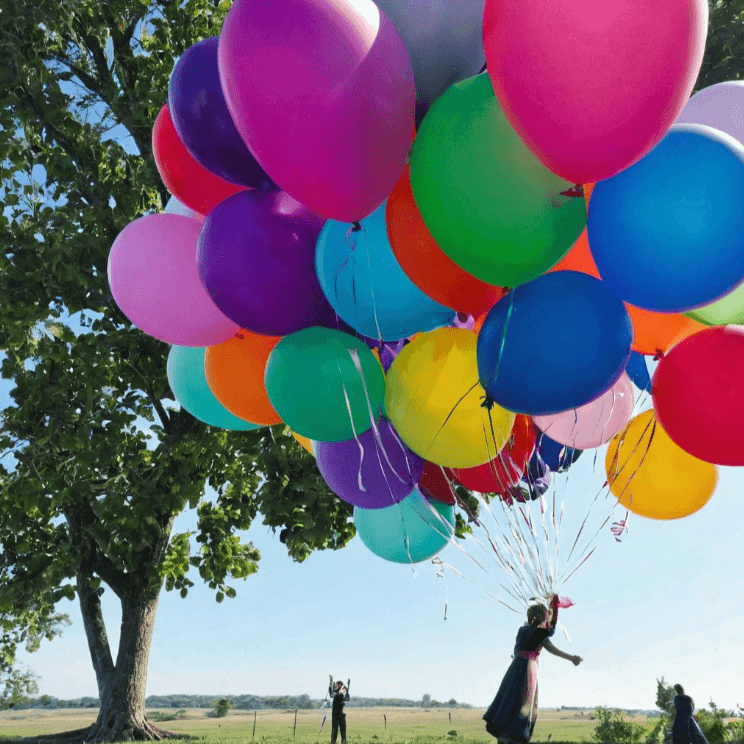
(449,416)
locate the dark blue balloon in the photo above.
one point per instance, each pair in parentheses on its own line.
(200,116)
(667,234)
(555,456)
(553,344)
(638,371)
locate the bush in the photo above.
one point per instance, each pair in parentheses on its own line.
(614,729)
(221,706)
(712,723)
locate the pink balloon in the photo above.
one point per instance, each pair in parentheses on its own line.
(592,424)
(592,86)
(322,93)
(154,278)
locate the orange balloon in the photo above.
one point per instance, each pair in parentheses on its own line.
(305,442)
(653,333)
(425,263)
(588,188)
(235,374)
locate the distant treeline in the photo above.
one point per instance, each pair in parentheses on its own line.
(242,702)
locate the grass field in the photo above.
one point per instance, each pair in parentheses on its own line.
(365,725)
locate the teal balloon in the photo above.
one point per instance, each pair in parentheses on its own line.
(362,279)
(185,371)
(410,531)
(324,384)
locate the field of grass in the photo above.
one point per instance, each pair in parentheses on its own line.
(365,725)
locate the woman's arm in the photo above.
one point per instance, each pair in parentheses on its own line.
(548,646)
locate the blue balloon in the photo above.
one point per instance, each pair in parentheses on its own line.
(638,371)
(410,531)
(185,370)
(553,344)
(366,286)
(667,234)
(200,116)
(557,457)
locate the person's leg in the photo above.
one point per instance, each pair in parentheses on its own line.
(334,729)
(342,725)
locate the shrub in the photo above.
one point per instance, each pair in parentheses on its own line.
(221,706)
(614,729)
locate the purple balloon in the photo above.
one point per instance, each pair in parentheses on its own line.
(256,256)
(387,470)
(720,106)
(203,123)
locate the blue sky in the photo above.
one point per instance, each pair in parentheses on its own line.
(664,601)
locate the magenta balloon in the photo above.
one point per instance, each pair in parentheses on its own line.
(590,86)
(720,106)
(592,424)
(374,471)
(322,93)
(154,278)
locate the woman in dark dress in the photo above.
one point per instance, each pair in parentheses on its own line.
(685,729)
(512,715)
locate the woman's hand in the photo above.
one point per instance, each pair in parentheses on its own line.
(576,660)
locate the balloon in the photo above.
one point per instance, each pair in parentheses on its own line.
(506,469)
(552,455)
(373,471)
(257,260)
(323,95)
(325,385)
(186,378)
(571,76)
(651,476)
(698,393)
(428,267)
(592,424)
(176,207)
(490,205)
(638,372)
(435,401)
(444,41)
(155,282)
(653,333)
(720,106)
(728,310)
(367,287)
(663,233)
(305,443)
(235,374)
(409,532)
(553,344)
(436,483)
(201,118)
(191,183)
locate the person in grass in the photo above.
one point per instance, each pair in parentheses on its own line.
(339,694)
(512,715)
(685,729)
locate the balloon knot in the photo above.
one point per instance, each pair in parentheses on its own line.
(659,355)
(240,336)
(575,191)
(356,226)
(488,402)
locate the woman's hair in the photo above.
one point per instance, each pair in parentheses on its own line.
(680,690)
(536,614)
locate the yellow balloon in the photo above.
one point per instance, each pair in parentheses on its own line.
(307,444)
(435,401)
(652,476)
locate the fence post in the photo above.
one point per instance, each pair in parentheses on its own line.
(294,732)
(253,735)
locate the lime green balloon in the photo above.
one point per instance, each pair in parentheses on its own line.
(324,384)
(729,310)
(489,203)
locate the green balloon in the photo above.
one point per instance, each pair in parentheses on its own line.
(728,310)
(410,531)
(307,374)
(489,203)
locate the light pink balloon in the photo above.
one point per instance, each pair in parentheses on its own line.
(592,424)
(154,278)
(720,106)
(322,93)
(592,85)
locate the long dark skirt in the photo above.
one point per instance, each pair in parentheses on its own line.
(512,715)
(686,730)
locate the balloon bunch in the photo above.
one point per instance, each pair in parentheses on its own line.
(425,309)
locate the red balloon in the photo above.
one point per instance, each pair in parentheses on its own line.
(190,182)
(506,469)
(698,394)
(436,483)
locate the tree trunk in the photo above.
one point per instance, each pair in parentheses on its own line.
(122,713)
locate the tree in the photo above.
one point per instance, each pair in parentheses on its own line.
(724,48)
(664,696)
(221,706)
(97,461)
